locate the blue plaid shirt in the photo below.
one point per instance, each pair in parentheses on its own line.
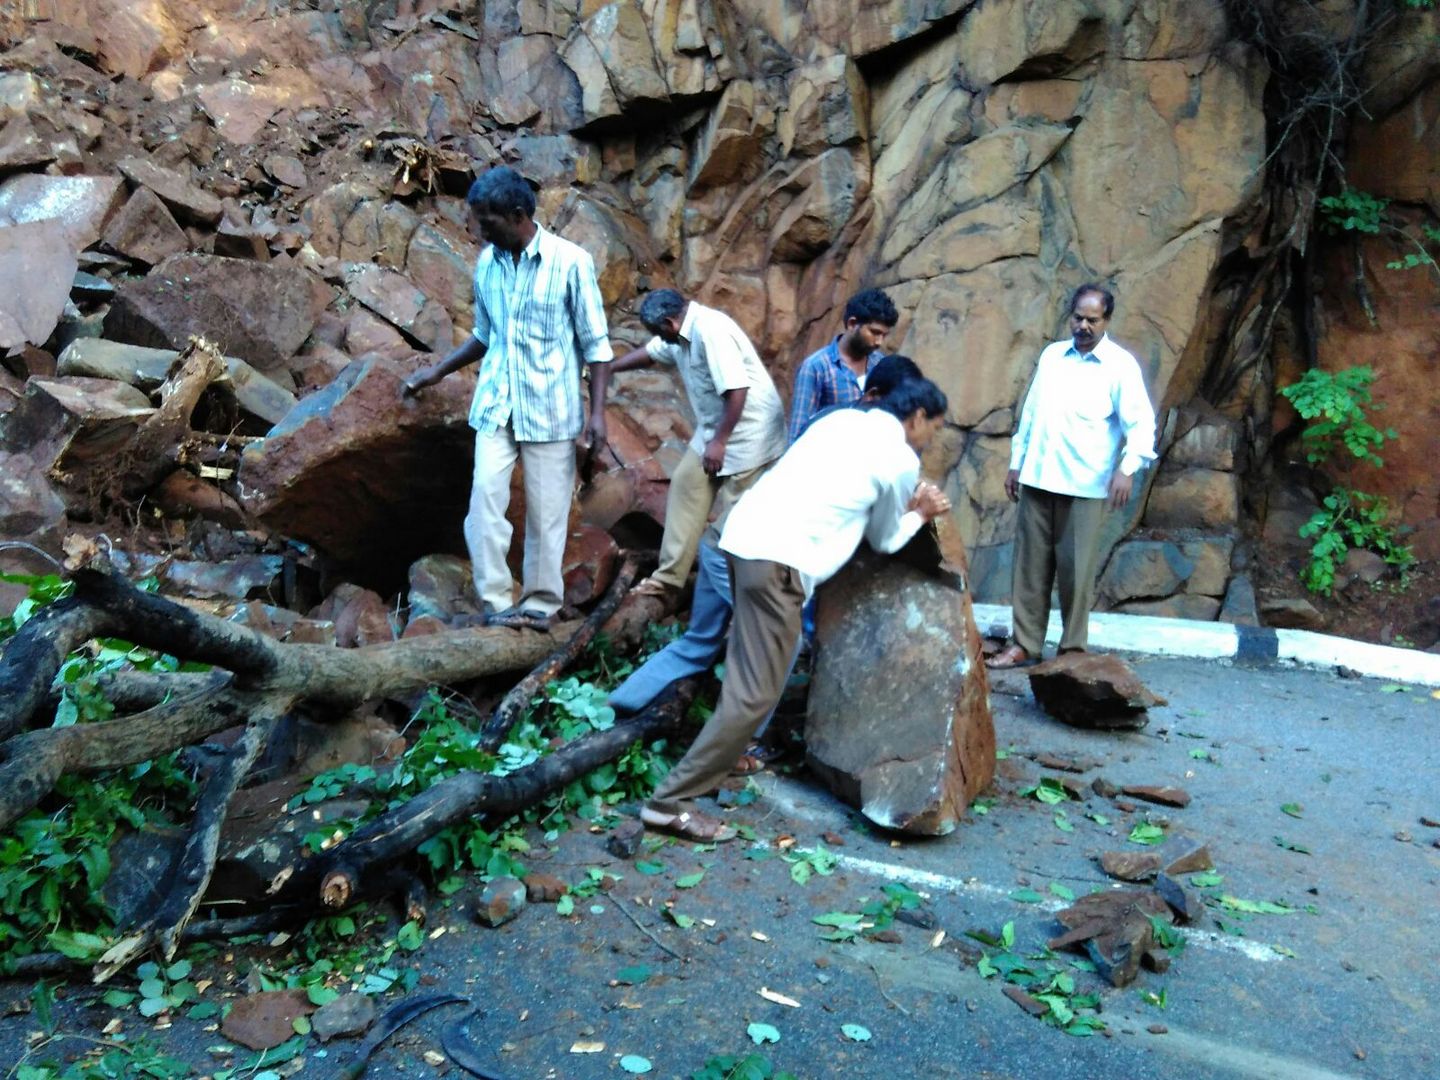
(823,380)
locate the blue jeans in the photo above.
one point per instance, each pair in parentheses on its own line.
(695,651)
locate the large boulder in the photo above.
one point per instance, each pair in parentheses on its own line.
(373,481)
(260,312)
(909,741)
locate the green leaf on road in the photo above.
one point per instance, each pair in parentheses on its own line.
(410,937)
(633,976)
(760,1034)
(689,881)
(1062,822)
(1255,907)
(1281,842)
(1294,809)
(855,1032)
(565,905)
(1146,833)
(1062,891)
(1207,880)
(1393,688)
(635,1064)
(650,867)
(684,922)
(1026,896)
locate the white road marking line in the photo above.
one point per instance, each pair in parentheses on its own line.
(915,877)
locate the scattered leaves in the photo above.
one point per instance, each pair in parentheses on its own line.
(760,1034)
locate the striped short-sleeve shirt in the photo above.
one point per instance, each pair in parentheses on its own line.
(540,317)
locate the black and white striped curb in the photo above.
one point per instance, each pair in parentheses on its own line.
(1242,644)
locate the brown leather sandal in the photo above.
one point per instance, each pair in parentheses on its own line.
(688,826)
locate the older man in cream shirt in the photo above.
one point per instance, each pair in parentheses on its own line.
(1086,428)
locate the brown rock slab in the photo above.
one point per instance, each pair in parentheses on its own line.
(501,900)
(1115,929)
(1164,796)
(70,423)
(1063,764)
(183,495)
(188,200)
(373,481)
(36,271)
(265,1020)
(282,624)
(1182,855)
(79,204)
(259,312)
(910,741)
(146,368)
(31,511)
(395,298)
(145,230)
(1024,1000)
(285,169)
(21,146)
(1093,690)
(1131,865)
(347,1017)
(1194,498)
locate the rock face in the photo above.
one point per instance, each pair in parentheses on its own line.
(1095,690)
(910,741)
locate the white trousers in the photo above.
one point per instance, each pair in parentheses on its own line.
(549,488)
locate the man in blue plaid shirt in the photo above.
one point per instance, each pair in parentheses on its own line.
(836,374)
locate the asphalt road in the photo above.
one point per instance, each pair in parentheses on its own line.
(1344,986)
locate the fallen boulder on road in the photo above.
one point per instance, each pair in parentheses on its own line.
(1093,690)
(909,740)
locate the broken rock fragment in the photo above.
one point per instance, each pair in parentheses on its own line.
(187,199)
(37,269)
(1164,796)
(909,741)
(1093,690)
(501,900)
(265,1020)
(1115,929)
(144,230)
(1131,865)
(348,1016)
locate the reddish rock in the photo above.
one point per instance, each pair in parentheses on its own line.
(1182,855)
(81,205)
(259,312)
(240,578)
(1164,796)
(910,741)
(21,147)
(262,1021)
(71,423)
(542,888)
(1095,690)
(1024,1000)
(373,481)
(286,170)
(144,230)
(184,495)
(361,616)
(1115,929)
(367,335)
(591,558)
(36,269)
(501,900)
(1131,865)
(189,201)
(1184,901)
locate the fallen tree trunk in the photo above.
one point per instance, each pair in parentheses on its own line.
(337,877)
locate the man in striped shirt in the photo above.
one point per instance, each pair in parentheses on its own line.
(539,319)
(835,375)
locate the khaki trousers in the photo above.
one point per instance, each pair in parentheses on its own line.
(763,636)
(1056,537)
(549,488)
(695,496)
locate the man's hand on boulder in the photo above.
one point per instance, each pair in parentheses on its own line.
(426,376)
(1012,485)
(929,501)
(1120,488)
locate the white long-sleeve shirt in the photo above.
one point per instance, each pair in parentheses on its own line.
(851,476)
(1081,411)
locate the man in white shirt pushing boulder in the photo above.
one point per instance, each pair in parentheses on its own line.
(853,475)
(1086,428)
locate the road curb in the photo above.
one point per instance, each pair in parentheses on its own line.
(1191,638)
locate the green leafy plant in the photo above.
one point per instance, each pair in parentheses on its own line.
(732,1067)
(1338,430)
(1352,211)
(805,864)
(1044,979)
